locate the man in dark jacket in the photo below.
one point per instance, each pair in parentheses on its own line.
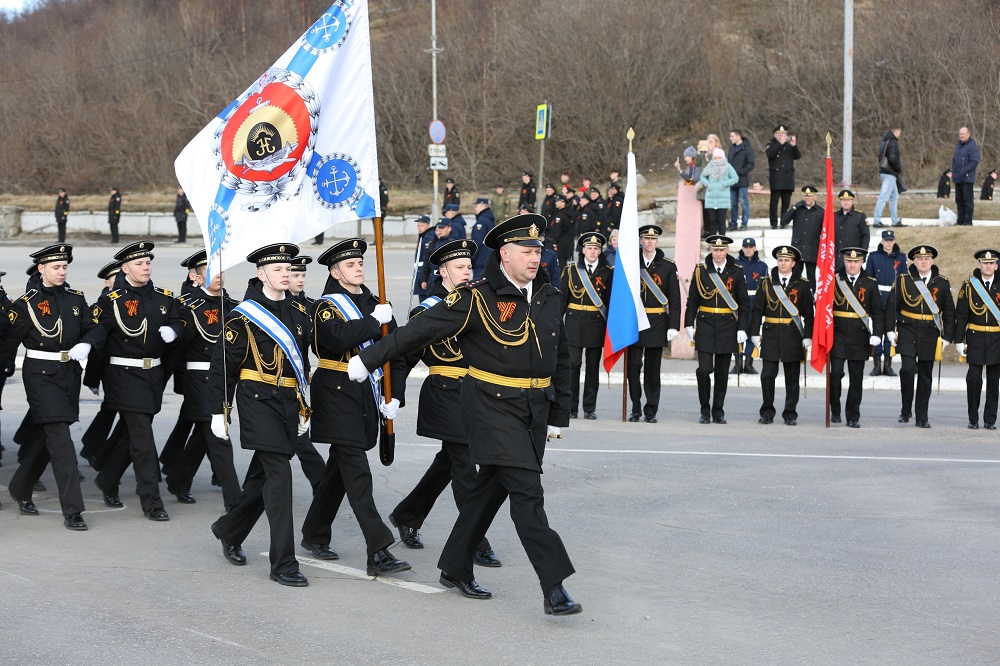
(181,209)
(850,226)
(62,213)
(963,174)
(442,232)
(349,416)
(616,198)
(806,218)
(889,169)
(885,264)
(114,213)
(977,337)
(742,160)
(784,307)
(562,231)
(458,224)
(986,193)
(548,209)
(437,417)
(754,268)
(510,329)
(425,239)
(528,190)
(781,154)
(485,221)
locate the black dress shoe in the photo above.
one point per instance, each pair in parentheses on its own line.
(485,557)
(233,553)
(114,501)
(765,420)
(834,418)
(320,551)
(383,562)
(633,417)
(558,602)
(973,426)
(903,419)
(590,416)
(923,424)
(990,426)
(704,419)
(791,422)
(27,507)
(185,498)
(720,420)
(408,535)
(291,579)
(469,589)
(853,424)
(159,515)
(574,415)
(650,419)
(74,522)
(39,487)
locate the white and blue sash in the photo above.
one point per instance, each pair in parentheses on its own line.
(429,302)
(346,307)
(278,332)
(987,300)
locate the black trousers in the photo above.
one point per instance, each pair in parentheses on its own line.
(716,220)
(708,364)
(267,489)
(347,472)
(311,461)
(768,373)
(855,372)
(592,379)
(114,231)
(176,442)
(784,197)
(974,391)
(542,544)
(924,373)
(61,226)
(965,201)
(182,230)
(220,454)
(95,438)
(54,444)
(653,358)
(137,448)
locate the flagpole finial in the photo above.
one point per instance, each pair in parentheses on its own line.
(829,140)
(630,135)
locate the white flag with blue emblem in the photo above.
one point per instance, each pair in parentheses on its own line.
(295,153)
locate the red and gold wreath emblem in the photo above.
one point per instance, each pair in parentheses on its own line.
(211,316)
(132,307)
(506,310)
(44,307)
(657,279)
(861,294)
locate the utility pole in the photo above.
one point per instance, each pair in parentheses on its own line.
(434,50)
(848,91)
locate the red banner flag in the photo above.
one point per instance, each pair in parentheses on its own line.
(825,264)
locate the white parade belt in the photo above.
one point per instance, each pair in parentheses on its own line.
(61,356)
(885,287)
(144,363)
(197,365)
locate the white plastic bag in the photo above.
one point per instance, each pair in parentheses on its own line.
(946,216)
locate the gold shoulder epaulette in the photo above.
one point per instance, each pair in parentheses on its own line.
(165,292)
(76,292)
(113,295)
(27,295)
(301,308)
(472,283)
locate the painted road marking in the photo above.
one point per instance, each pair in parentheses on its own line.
(358,573)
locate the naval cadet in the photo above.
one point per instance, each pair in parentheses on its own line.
(977,337)
(661,296)
(263,361)
(921,312)
(95,437)
(437,416)
(716,319)
(784,308)
(858,328)
(515,397)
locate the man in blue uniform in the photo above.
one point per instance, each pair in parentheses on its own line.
(754,268)
(885,264)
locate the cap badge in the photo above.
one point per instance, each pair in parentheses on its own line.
(533,231)
(465,243)
(355,243)
(281,248)
(923,251)
(142,246)
(62,248)
(593,239)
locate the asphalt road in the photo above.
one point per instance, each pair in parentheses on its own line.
(694,544)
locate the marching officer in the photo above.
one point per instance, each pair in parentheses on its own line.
(437,417)
(858,327)
(784,306)
(51,321)
(921,311)
(264,359)
(661,296)
(716,320)
(114,213)
(348,416)
(204,311)
(977,337)
(95,438)
(136,321)
(515,397)
(584,299)
(62,213)
(529,191)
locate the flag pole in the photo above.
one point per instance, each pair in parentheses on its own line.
(829,140)
(624,383)
(387,442)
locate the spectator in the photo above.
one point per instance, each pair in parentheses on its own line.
(501,204)
(548,210)
(963,174)
(181,209)
(806,219)
(885,264)
(742,160)
(455,219)
(850,226)
(944,185)
(443,233)
(692,176)
(889,168)
(485,221)
(425,239)
(451,193)
(781,154)
(528,190)
(986,194)
(717,177)
(561,232)
(114,213)
(62,212)
(616,198)
(611,251)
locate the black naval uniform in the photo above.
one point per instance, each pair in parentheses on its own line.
(203,314)
(529,191)
(50,321)
(268,403)
(62,213)
(310,459)
(517,385)
(133,378)
(649,350)
(562,234)
(976,326)
(585,328)
(95,437)
(716,329)
(780,339)
(917,341)
(851,342)
(114,214)
(807,226)
(8,364)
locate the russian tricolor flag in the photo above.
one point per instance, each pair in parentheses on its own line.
(626,313)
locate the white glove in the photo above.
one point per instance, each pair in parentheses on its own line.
(552,432)
(671,334)
(874,341)
(303,426)
(892,337)
(741,337)
(944,344)
(807,343)
(755,339)
(960,348)
(389,409)
(167,334)
(219,426)
(356,369)
(79,351)
(690,332)
(382,313)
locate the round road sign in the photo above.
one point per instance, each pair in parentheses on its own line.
(437,131)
